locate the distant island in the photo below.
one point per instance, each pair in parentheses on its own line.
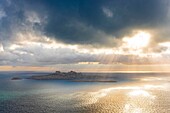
(73,76)
(16,78)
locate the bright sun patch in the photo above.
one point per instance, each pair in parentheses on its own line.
(138,41)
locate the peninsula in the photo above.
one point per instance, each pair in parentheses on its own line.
(73,76)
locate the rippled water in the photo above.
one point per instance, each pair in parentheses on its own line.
(133,93)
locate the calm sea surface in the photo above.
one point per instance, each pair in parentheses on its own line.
(133,93)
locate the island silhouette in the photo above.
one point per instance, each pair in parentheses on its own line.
(73,76)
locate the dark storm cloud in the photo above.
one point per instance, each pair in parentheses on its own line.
(84,21)
(14,19)
(80,21)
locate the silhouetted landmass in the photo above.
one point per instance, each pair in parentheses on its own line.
(73,76)
(16,78)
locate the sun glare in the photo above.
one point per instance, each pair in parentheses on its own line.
(138,41)
(139,93)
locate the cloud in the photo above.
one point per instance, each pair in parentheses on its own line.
(1,48)
(45,32)
(107,12)
(31,49)
(87,22)
(2,14)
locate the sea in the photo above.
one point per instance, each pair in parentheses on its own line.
(132,93)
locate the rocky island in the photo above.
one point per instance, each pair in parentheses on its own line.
(16,78)
(73,76)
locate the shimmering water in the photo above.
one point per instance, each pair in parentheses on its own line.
(133,93)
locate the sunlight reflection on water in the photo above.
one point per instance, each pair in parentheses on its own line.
(136,99)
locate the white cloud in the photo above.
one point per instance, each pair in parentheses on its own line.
(32,17)
(30,48)
(1,48)
(107,12)
(2,13)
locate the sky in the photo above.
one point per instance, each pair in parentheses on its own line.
(85,35)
